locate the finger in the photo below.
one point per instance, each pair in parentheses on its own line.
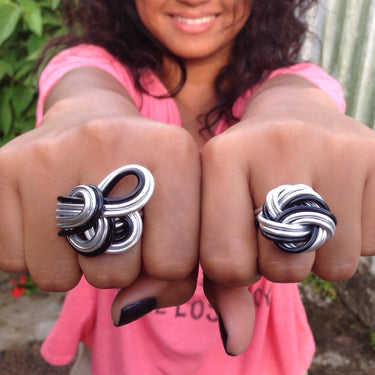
(171,219)
(235,308)
(12,257)
(228,246)
(279,162)
(49,170)
(147,294)
(368,216)
(232,237)
(51,261)
(105,270)
(279,266)
(112,270)
(338,258)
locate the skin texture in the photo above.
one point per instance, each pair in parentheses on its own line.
(205,196)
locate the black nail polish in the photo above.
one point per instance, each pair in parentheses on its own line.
(224,335)
(136,311)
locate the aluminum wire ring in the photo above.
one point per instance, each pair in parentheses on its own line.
(93,223)
(296,219)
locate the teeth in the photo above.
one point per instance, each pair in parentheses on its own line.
(194,21)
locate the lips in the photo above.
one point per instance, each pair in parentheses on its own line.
(194,24)
(194,21)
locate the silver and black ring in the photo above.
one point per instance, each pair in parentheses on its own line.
(94,223)
(296,219)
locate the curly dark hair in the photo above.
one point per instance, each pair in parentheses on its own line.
(271,38)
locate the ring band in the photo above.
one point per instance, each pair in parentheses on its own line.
(296,219)
(93,223)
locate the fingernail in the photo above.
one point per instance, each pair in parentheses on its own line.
(224,335)
(136,310)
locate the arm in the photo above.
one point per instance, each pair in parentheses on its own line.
(91,127)
(92,84)
(291,132)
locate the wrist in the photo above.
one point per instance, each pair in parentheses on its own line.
(95,105)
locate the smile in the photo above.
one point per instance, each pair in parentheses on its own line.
(195,21)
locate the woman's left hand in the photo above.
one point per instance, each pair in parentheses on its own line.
(324,149)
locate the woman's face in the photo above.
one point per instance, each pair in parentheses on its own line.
(195,29)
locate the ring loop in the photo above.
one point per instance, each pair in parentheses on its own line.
(93,223)
(296,219)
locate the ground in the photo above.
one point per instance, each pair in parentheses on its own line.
(343,343)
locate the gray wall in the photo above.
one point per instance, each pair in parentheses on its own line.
(344,46)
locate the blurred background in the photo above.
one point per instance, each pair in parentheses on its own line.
(344,46)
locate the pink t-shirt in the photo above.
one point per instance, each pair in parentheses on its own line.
(182,340)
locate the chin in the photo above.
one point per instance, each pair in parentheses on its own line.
(197,54)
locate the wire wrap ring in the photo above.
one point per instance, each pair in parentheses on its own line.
(296,219)
(93,223)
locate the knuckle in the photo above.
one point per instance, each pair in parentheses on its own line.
(54,284)
(44,152)
(24,152)
(7,155)
(340,272)
(290,268)
(183,147)
(368,244)
(102,135)
(283,275)
(106,280)
(368,251)
(170,270)
(229,271)
(12,265)
(280,135)
(215,150)
(95,128)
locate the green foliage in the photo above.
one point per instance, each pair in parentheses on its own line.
(25,27)
(324,288)
(372,339)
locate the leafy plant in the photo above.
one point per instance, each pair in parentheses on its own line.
(324,288)
(25,27)
(372,339)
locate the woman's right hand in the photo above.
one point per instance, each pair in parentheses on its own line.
(82,139)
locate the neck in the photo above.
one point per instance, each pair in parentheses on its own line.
(197,96)
(199,73)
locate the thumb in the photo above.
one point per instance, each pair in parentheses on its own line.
(147,294)
(235,309)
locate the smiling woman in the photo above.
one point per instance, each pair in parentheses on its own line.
(256,50)
(207,95)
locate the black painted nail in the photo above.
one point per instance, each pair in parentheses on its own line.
(136,310)
(224,335)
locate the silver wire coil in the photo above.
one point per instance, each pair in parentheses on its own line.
(296,219)
(93,223)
